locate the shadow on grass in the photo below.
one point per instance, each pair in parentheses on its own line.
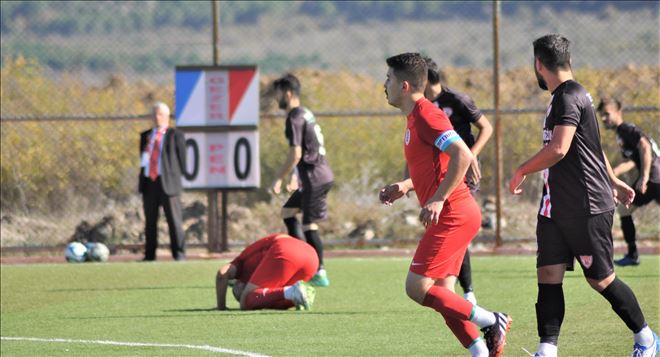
(133,288)
(238,312)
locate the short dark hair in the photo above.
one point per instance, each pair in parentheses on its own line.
(410,67)
(552,50)
(434,75)
(607,101)
(288,83)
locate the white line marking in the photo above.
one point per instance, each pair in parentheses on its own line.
(138,344)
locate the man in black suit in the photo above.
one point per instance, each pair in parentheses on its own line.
(163,160)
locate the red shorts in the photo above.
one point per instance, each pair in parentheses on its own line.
(287,261)
(441,250)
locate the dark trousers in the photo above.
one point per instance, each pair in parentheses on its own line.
(153,197)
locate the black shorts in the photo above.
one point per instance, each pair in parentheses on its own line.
(587,239)
(652,194)
(311,201)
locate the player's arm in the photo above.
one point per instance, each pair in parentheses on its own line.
(646,157)
(485,132)
(623,167)
(460,158)
(225,273)
(549,155)
(295,153)
(620,190)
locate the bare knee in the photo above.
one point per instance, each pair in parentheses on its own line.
(551,274)
(417,286)
(288,212)
(600,284)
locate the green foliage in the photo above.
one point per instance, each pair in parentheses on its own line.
(365,312)
(46,163)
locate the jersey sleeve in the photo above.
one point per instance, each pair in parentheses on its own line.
(469,109)
(566,110)
(434,128)
(295,128)
(633,135)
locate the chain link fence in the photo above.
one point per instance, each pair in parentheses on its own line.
(78,78)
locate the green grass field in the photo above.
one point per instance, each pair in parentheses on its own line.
(365,311)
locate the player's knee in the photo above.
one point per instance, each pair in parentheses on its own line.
(600,284)
(416,289)
(551,274)
(288,212)
(310,227)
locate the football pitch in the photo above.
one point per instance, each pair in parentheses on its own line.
(167,309)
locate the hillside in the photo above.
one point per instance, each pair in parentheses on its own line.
(147,39)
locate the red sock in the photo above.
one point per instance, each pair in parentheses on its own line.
(447,303)
(266,298)
(464,330)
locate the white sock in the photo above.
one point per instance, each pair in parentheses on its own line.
(644,337)
(547,350)
(479,349)
(482,318)
(288,293)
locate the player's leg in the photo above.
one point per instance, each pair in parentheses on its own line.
(432,277)
(465,278)
(289,211)
(629,235)
(594,252)
(315,209)
(273,282)
(554,257)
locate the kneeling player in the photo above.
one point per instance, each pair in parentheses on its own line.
(270,274)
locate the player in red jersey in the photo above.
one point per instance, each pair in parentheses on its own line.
(437,161)
(270,274)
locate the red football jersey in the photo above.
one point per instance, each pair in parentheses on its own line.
(428,133)
(250,258)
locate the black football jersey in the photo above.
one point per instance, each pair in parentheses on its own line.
(628,137)
(461,110)
(303,130)
(578,185)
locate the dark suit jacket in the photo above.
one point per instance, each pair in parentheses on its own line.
(172,161)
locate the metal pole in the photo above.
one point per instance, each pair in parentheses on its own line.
(214,244)
(498,122)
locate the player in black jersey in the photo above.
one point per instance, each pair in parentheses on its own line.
(307,155)
(462,113)
(577,207)
(640,152)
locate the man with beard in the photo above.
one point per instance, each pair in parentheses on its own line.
(641,153)
(307,156)
(577,206)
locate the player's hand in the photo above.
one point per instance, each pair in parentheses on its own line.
(473,174)
(641,185)
(515,182)
(293,184)
(622,193)
(391,193)
(430,213)
(276,187)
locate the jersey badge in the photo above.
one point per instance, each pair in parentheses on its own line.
(448,111)
(586,260)
(406,139)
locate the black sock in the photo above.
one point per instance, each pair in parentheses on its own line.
(628,228)
(625,304)
(465,276)
(312,237)
(293,227)
(550,312)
